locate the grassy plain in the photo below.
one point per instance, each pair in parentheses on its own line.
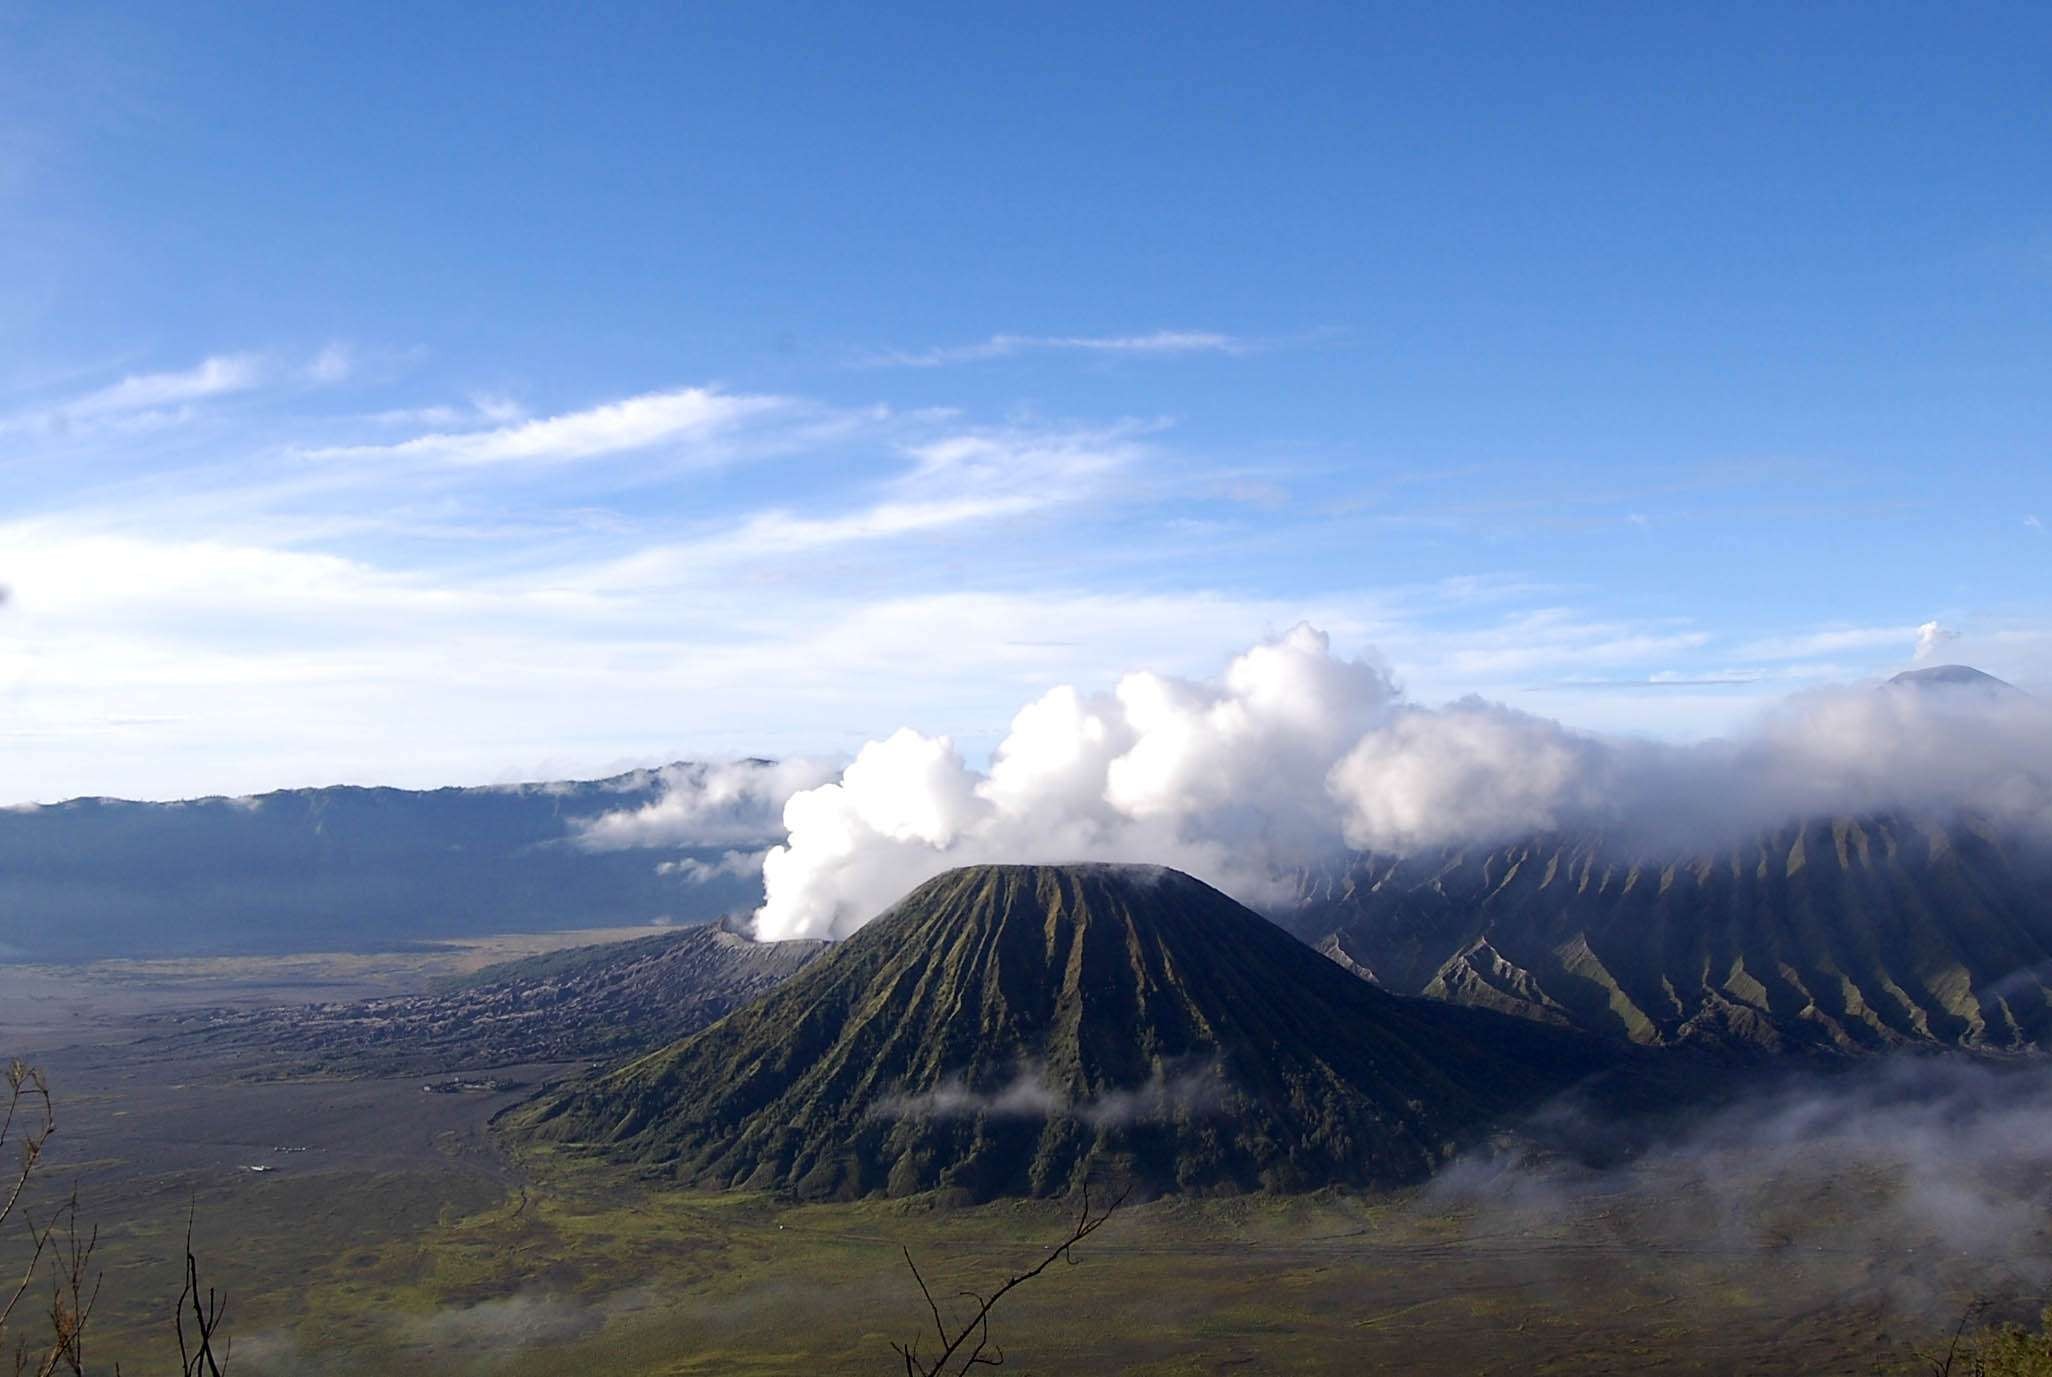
(577,1272)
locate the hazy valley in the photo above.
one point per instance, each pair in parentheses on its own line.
(1517,1108)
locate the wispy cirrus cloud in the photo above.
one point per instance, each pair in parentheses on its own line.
(241,613)
(1660,679)
(211,377)
(680,416)
(966,479)
(1560,636)
(141,402)
(1154,344)
(1829,641)
(138,397)
(335,363)
(480,410)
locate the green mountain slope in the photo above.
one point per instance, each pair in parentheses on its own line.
(1843,935)
(1012,1029)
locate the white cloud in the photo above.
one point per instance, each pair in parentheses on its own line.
(83,576)
(1477,771)
(213,377)
(1296,753)
(960,480)
(685,415)
(482,409)
(1474,770)
(1511,652)
(1156,343)
(1204,777)
(737,803)
(253,665)
(781,531)
(333,364)
(223,618)
(1830,641)
(739,865)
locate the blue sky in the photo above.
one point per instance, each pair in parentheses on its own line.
(434,394)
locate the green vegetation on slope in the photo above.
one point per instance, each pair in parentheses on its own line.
(1843,935)
(1017,1029)
(580,1272)
(2008,1350)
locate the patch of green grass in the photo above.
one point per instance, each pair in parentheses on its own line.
(586,1270)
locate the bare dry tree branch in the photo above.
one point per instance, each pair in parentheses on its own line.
(958,1354)
(74,1291)
(26,1090)
(1969,1317)
(74,1285)
(196,1354)
(61,1241)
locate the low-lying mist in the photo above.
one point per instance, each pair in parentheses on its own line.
(1911,1182)
(1855,1210)
(1195,1089)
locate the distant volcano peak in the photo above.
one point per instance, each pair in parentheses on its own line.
(1952,676)
(1009,1029)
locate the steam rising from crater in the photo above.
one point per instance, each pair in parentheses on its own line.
(1225,780)
(1296,756)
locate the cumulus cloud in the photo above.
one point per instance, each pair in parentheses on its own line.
(740,802)
(1210,778)
(1296,755)
(1477,771)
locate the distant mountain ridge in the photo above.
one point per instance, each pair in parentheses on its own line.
(1838,935)
(345,866)
(1016,1029)
(1953,676)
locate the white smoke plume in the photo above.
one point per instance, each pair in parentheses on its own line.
(1931,638)
(1222,780)
(1297,755)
